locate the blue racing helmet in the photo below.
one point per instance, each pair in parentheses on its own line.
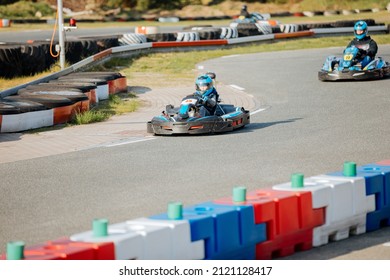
(360,29)
(204,85)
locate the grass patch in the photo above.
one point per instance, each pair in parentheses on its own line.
(117,104)
(90,116)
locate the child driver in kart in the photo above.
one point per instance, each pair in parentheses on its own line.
(367,46)
(204,86)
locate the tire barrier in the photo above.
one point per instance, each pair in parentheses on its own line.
(266,223)
(289,28)
(161,37)
(102,88)
(81,100)
(264,27)
(28,59)
(168,19)
(228,33)
(116,81)
(210,33)
(187,36)
(58,100)
(247,29)
(196,27)
(61,88)
(61,111)
(132,38)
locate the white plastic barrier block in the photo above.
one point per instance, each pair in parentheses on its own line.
(26,121)
(181,246)
(145,239)
(129,244)
(346,205)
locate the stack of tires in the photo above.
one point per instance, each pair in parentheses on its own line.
(26,59)
(57,102)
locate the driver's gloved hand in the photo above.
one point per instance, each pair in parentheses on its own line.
(361,53)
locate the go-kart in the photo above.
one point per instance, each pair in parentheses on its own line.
(253,18)
(349,67)
(186,118)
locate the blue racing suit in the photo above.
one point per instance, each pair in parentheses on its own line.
(208,103)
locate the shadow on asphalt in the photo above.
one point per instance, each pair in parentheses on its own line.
(260,125)
(344,247)
(6,137)
(138,89)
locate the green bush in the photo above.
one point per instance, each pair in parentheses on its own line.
(25,9)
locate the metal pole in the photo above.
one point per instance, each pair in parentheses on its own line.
(61,33)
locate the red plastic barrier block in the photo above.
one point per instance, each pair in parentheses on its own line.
(101,251)
(65,249)
(384,162)
(290,220)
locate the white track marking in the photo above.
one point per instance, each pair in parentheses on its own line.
(128,141)
(258,111)
(237,87)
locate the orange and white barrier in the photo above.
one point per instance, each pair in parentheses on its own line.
(5,23)
(147,30)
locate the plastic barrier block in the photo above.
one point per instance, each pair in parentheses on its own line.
(250,232)
(290,219)
(219,227)
(148,239)
(346,206)
(377,183)
(385,162)
(128,242)
(65,249)
(101,251)
(373,187)
(174,235)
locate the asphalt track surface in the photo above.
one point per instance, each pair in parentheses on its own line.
(299,124)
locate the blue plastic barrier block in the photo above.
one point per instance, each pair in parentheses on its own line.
(229,231)
(377,180)
(381,216)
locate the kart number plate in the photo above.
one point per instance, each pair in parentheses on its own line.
(348,57)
